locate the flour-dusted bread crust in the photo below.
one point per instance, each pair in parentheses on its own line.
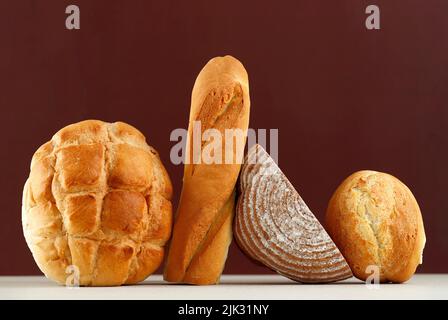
(375,221)
(98,199)
(203,227)
(275,227)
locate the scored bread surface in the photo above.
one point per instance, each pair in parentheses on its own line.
(274,226)
(203,228)
(97,203)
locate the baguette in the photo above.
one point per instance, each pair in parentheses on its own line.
(203,226)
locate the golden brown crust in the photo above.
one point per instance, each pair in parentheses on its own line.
(220,100)
(375,220)
(148,260)
(126,159)
(81,214)
(98,198)
(112,264)
(203,268)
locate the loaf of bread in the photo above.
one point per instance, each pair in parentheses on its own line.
(376,222)
(96,206)
(274,226)
(203,225)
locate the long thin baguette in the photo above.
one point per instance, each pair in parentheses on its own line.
(203,227)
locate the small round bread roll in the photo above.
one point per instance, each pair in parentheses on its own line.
(375,221)
(96,207)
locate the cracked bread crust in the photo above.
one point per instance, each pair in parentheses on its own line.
(374,219)
(98,198)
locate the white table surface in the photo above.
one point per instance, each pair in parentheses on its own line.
(421,286)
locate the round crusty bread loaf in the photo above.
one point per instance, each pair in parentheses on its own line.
(97,205)
(375,221)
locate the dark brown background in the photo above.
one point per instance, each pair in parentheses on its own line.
(343,98)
